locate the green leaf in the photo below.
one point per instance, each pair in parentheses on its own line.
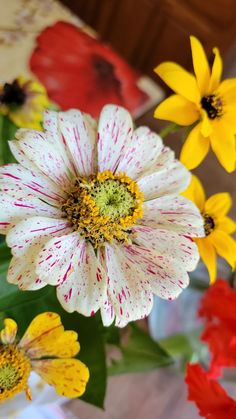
(23,306)
(7,133)
(140,354)
(177,345)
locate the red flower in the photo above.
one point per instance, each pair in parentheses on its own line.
(218,306)
(78,71)
(211,399)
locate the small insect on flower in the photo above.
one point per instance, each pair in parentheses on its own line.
(96,212)
(47,349)
(218,226)
(23,101)
(205,101)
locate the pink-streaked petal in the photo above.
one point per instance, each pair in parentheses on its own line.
(45,155)
(142,153)
(107,312)
(14,177)
(170,244)
(14,209)
(128,287)
(166,278)
(84,288)
(33,231)
(20,156)
(79,139)
(172,179)
(173,213)
(22,273)
(50,121)
(115,129)
(54,262)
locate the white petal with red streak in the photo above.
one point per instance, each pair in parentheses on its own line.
(33,231)
(79,139)
(170,244)
(20,156)
(14,177)
(46,157)
(166,278)
(22,271)
(54,262)
(14,209)
(173,178)
(141,154)
(173,213)
(128,288)
(85,287)
(115,129)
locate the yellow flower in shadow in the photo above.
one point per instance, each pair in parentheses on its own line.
(218,226)
(24,102)
(202,100)
(45,348)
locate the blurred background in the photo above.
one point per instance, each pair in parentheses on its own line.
(143,33)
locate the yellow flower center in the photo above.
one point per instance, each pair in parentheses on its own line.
(14,371)
(103,207)
(212,104)
(209,224)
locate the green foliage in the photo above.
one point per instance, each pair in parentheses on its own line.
(141,353)
(7,133)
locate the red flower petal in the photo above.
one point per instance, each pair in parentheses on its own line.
(211,399)
(80,72)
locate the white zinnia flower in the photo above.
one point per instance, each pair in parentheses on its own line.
(95,211)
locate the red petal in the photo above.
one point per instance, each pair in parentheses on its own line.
(211,399)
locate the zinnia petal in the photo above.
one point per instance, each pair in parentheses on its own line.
(68,376)
(200,65)
(142,153)
(170,244)
(84,289)
(195,148)
(114,133)
(46,337)
(208,256)
(179,80)
(8,333)
(177,109)
(173,213)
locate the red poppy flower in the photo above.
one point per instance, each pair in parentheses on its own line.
(218,307)
(211,399)
(80,72)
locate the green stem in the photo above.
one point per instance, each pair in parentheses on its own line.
(170,128)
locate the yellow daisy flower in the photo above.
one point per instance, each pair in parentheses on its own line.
(46,349)
(203,100)
(218,226)
(23,101)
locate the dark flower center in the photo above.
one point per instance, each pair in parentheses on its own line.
(105,71)
(12,94)
(209,224)
(212,104)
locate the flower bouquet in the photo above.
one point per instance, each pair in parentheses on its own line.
(98,217)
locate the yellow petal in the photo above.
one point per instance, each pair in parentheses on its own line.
(227,90)
(206,126)
(200,65)
(223,144)
(216,71)
(226,224)
(179,80)
(68,376)
(225,246)
(208,256)
(195,148)
(45,336)
(177,109)
(8,334)
(230,116)
(219,204)
(195,192)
